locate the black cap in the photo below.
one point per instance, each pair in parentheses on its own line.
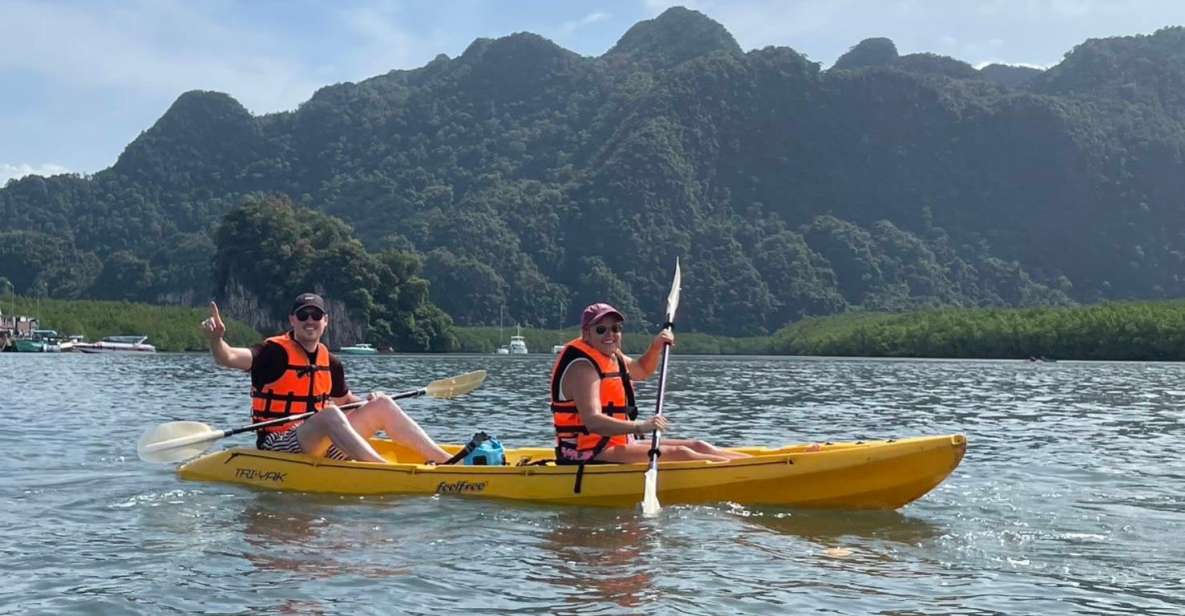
(307,299)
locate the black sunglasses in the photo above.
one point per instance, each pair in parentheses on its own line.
(304,314)
(601,329)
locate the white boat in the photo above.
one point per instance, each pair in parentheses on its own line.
(118,344)
(518,344)
(362,348)
(556,348)
(71,343)
(503,349)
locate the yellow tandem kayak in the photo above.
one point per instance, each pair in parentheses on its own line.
(858,475)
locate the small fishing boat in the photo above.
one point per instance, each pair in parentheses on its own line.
(857,475)
(28,345)
(518,345)
(117,344)
(39,341)
(361,348)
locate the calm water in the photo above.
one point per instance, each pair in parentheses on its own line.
(1070,498)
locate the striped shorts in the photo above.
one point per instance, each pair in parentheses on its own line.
(287,442)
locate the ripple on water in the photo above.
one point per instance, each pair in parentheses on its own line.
(1067,500)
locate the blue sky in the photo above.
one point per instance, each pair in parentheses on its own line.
(81,79)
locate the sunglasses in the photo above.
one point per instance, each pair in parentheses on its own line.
(601,329)
(304,314)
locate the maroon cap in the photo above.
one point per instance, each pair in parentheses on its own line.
(596,312)
(307,299)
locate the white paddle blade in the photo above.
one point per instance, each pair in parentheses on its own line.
(176,441)
(650,505)
(456,386)
(673,296)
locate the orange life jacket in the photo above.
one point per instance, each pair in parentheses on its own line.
(574,442)
(301,388)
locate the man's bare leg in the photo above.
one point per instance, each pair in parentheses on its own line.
(383,414)
(331,426)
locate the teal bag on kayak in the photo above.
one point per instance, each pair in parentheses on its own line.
(481,450)
(489,453)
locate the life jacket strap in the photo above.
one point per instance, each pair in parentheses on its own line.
(303,371)
(593,459)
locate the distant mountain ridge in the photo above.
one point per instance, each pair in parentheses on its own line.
(531,180)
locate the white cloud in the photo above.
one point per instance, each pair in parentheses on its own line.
(10,171)
(1070,8)
(150,48)
(1033,31)
(378,44)
(568,27)
(981,64)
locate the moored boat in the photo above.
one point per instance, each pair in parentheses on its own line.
(518,345)
(39,341)
(859,475)
(71,342)
(28,345)
(117,344)
(361,348)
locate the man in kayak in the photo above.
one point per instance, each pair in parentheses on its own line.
(592,398)
(293,373)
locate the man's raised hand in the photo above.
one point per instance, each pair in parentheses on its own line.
(213,327)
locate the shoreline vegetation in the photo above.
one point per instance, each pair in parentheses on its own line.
(169,328)
(486,340)
(1153,331)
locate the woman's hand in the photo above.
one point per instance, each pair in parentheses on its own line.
(657,422)
(665,336)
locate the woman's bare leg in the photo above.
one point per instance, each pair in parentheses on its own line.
(640,452)
(706,447)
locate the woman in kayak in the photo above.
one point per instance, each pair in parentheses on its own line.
(293,373)
(592,398)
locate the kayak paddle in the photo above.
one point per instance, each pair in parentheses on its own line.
(180,440)
(650,504)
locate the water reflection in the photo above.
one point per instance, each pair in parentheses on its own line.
(600,556)
(1068,501)
(306,538)
(827,527)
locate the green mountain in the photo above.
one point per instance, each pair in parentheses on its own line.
(530,181)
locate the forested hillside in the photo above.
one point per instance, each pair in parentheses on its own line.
(530,180)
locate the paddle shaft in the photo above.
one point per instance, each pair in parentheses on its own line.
(214,435)
(650,504)
(284,420)
(662,388)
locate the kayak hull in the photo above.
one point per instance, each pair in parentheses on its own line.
(861,475)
